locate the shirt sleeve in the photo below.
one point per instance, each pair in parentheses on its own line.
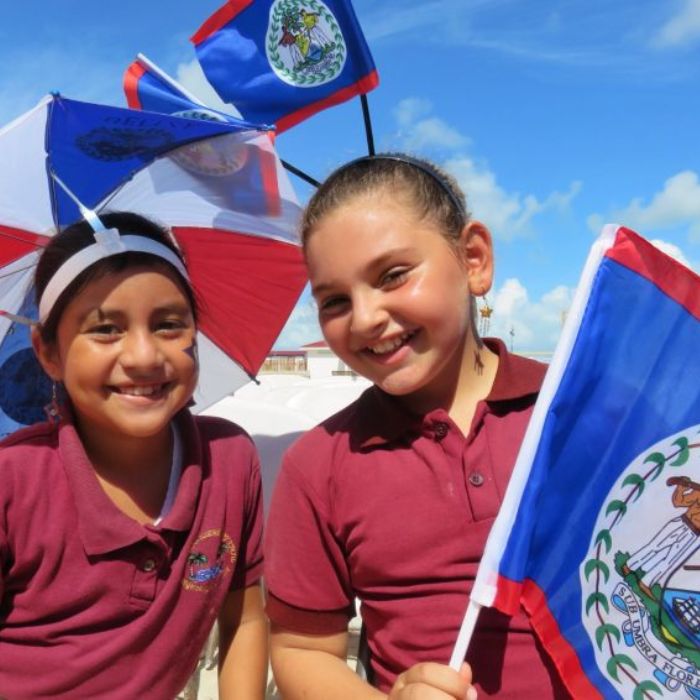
(306,572)
(251,547)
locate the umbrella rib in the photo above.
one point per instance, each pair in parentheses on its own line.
(16,318)
(14,272)
(4,234)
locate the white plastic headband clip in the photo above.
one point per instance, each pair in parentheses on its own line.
(108,242)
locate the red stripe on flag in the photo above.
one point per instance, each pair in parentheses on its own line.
(132,75)
(268,173)
(17,242)
(508,594)
(360,87)
(562,653)
(673,279)
(220,18)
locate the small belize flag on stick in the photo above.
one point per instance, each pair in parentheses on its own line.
(599,534)
(281,61)
(148,87)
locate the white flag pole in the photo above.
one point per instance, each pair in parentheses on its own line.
(465,635)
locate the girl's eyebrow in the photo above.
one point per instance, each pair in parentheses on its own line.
(104,314)
(372,266)
(96,311)
(176,307)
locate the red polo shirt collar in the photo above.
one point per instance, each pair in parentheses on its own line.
(516,378)
(102,526)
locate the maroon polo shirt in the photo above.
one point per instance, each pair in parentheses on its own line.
(95,605)
(394,509)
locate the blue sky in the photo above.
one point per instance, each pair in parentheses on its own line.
(556,117)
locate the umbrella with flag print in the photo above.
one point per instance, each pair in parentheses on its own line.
(148,87)
(219,186)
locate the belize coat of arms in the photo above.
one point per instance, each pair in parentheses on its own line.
(304,43)
(641,576)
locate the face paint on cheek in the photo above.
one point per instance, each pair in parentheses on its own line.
(193,352)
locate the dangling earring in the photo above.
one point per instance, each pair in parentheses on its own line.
(485,312)
(53,409)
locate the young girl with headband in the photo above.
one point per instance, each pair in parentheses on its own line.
(126,524)
(391,500)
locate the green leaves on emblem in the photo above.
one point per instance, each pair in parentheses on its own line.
(644,688)
(618,660)
(604,631)
(683,453)
(636,481)
(599,598)
(658,459)
(596,565)
(616,506)
(604,537)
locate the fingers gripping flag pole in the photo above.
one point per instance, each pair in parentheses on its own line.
(601,552)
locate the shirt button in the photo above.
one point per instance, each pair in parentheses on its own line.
(148,565)
(476,479)
(441,430)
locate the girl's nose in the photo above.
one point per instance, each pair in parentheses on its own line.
(368,315)
(140,350)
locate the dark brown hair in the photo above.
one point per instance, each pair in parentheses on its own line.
(433,193)
(74,238)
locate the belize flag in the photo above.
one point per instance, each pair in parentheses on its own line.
(599,534)
(221,190)
(281,61)
(148,87)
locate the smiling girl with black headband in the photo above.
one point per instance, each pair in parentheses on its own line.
(390,501)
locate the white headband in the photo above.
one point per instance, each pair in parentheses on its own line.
(108,242)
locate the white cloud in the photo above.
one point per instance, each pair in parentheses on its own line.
(672,251)
(301,327)
(191,77)
(418,131)
(507,214)
(411,109)
(681,29)
(535,325)
(676,205)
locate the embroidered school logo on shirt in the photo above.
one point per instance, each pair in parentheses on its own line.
(304,44)
(641,577)
(212,555)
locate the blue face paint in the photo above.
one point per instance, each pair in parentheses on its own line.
(193,352)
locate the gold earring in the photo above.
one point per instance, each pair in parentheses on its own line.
(53,409)
(485,312)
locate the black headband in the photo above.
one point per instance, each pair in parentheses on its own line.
(421,165)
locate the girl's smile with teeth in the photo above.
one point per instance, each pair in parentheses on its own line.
(386,346)
(149,390)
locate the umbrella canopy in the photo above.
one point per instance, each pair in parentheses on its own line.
(219,186)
